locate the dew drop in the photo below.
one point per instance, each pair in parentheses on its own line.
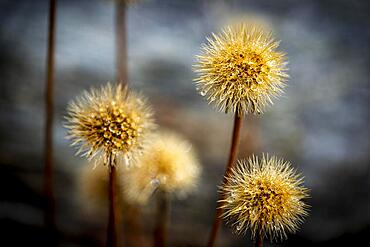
(239,226)
(231,197)
(203,93)
(155,182)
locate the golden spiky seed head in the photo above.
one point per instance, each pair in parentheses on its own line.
(169,164)
(264,195)
(111,121)
(240,70)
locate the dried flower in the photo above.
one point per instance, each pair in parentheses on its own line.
(240,69)
(111,121)
(169,165)
(265,196)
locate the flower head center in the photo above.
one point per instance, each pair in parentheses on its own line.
(266,198)
(116,129)
(248,69)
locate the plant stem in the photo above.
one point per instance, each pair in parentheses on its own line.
(163,218)
(232,157)
(121,46)
(133,222)
(49,104)
(259,240)
(113,217)
(114,230)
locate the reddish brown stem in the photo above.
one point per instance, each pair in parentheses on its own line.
(121,46)
(232,157)
(113,232)
(259,241)
(134,228)
(49,104)
(163,218)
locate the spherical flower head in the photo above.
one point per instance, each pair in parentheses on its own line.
(264,195)
(111,121)
(240,70)
(169,164)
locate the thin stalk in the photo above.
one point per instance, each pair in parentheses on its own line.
(232,158)
(49,104)
(113,232)
(259,240)
(163,218)
(114,229)
(134,228)
(121,42)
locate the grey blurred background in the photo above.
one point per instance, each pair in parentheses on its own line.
(321,124)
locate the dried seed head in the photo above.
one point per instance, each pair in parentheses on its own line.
(169,164)
(265,196)
(240,70)
(111,120)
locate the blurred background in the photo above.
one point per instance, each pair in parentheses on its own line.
(321,124)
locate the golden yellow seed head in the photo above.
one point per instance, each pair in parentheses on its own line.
(109,120)
(264,195)
(169,164)
(240,70)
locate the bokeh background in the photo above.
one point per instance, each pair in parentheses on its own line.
(321,124)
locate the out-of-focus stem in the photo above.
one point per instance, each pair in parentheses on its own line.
(49,104)
(114,229)
(259,240)
(163,218)
(121,42)
(232,158)
(113,232)
(132,221)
